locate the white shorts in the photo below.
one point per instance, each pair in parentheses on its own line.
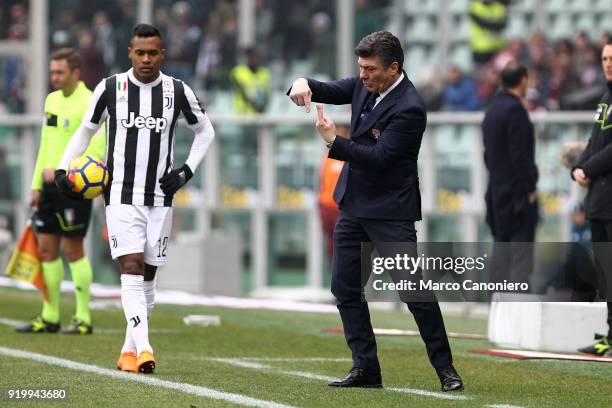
(134,229)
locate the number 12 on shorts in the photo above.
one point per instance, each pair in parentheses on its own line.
(162,247)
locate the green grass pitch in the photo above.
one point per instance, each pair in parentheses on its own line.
(277,351)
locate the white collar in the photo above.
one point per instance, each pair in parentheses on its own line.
(383,94)
(137,82)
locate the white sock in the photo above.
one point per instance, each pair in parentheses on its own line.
(128,345)
(135,310)
(149,292)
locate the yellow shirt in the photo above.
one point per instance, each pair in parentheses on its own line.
(63,115)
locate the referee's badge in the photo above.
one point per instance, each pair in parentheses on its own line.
(66,123)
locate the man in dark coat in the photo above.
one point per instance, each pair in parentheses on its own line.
(378,194)
(594,171)
(512,211)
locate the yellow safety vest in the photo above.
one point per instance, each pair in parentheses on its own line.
(255,84)
(483,40)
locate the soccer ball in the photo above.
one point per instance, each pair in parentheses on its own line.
(88,175)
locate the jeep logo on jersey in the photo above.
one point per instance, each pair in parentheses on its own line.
(150,122)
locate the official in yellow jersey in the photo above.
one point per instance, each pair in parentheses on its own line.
(61,219)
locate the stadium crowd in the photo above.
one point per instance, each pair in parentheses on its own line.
(564,75)
(202,44)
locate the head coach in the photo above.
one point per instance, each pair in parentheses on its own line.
(378,194)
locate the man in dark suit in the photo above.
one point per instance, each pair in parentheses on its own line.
(378,194)
(512,210)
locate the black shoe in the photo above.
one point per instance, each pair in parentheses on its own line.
(601,346)
(39,325)
(359,377)
(78,327)
(449,379)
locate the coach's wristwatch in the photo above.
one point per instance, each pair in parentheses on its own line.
(330,144)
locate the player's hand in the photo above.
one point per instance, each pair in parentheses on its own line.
(65,186)
(171,182)
(325,126)
(301,94)
(35,199)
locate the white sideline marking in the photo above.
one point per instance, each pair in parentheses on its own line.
(246,362)
(185,388)
(17,323)
(294,359)
(503,406)
(11,322)
(429,393)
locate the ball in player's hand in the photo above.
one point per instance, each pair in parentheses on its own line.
(89,176)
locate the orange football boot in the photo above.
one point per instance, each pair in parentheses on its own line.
(146,362)
(127,362)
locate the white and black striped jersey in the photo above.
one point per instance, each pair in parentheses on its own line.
(142,120)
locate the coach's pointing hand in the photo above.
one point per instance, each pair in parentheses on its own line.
(301,94)
(325,126)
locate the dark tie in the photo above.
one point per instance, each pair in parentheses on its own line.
(367,108)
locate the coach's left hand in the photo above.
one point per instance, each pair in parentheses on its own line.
(325,126)
(171,182)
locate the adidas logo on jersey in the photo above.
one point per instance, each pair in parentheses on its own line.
(150,122)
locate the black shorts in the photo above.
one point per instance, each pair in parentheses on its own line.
(60,215)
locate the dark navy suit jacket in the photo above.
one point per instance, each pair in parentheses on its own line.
(379,179)
(509,155)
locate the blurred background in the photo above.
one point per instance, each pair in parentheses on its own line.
(248,224)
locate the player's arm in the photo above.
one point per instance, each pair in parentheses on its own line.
(198,121)
(91,123)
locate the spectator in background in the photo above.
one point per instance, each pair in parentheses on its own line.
(229,42)
(488,83)
(323,37)
(105,39)
(208,65)
(13,70)
(368,18)
(183,42)
(3,22)
(62,34)
(460,92)
(92,68)
(6,189)
(251,85)
(514,52)
(488,20)
(430,88)
(19,20)
(291,26)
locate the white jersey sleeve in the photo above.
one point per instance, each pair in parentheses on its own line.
(97,112)
(198,121)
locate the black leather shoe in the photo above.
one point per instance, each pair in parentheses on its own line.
(359,377)
(449,379)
